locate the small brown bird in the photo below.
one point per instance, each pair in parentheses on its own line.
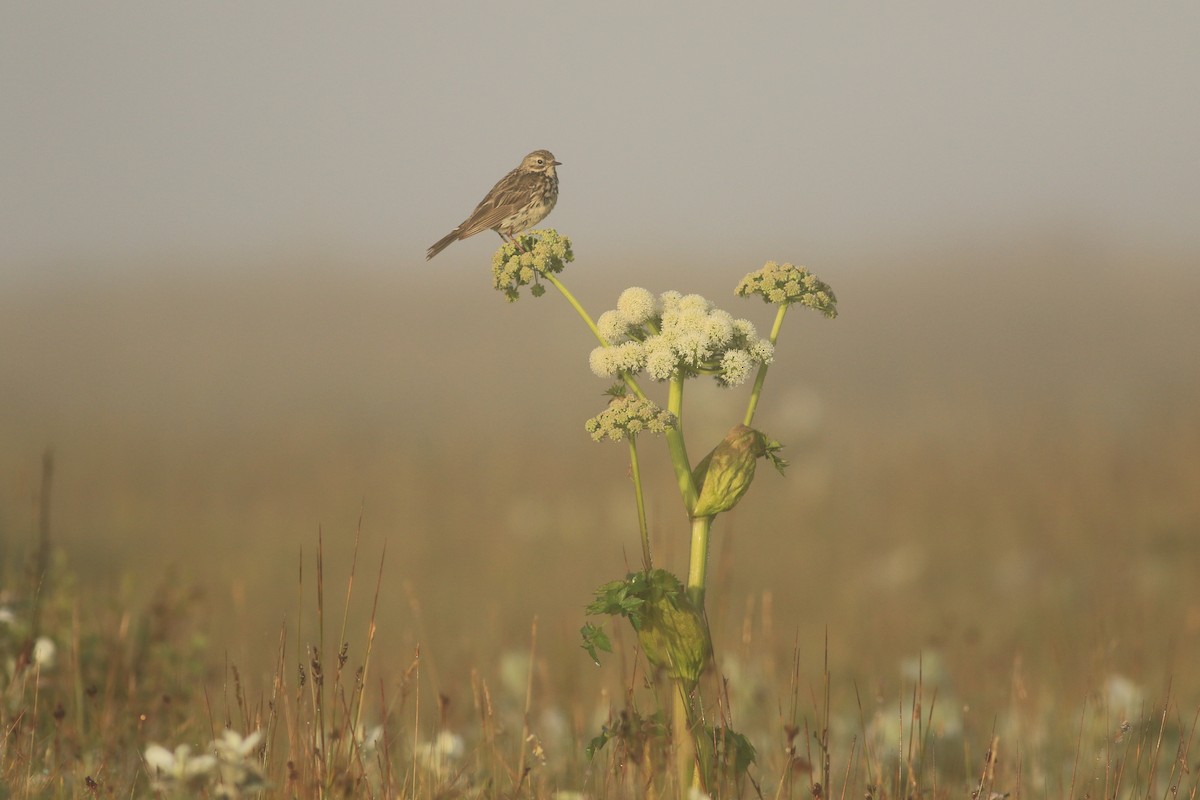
(518,201)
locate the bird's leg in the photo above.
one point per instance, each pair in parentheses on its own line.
(511,238)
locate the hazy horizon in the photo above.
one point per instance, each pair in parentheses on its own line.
(147,132)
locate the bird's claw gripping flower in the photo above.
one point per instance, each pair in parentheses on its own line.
(787,284)
(629,416)
(519,262)
(676,335)
(725,474)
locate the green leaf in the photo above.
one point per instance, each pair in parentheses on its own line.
(779,462)
(597,743)
(594,638)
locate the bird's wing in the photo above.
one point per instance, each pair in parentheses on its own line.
(509,195)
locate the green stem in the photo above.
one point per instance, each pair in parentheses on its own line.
(697,580)
(579,309)
(762,369)
(677,448)
(683,737)
(557,284)
(643,528)
(698,560)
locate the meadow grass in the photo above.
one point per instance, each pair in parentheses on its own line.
(908,671)
(977,582)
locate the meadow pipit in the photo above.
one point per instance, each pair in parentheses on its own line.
(518,201)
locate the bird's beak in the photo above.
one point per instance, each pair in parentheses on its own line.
(558,163)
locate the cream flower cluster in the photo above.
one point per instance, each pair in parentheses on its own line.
(629,416)
(676,335)
(787,284)
(540,252)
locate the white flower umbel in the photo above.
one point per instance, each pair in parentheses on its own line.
(676,335)
(783,285)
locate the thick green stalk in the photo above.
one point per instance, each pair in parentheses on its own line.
(683,737)
(762,369)
(698,560)
(697,580)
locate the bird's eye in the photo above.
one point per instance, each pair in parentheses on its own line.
(541,161)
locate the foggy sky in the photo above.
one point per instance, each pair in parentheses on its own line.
(152,130)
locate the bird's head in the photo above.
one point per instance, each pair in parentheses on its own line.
(540,161)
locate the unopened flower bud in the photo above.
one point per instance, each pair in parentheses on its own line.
(726,473)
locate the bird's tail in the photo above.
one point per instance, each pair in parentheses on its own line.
(442,244)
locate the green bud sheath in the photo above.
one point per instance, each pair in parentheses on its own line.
(674,636)
(726,473)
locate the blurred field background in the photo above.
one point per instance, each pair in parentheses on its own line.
(995,468)
(215,314)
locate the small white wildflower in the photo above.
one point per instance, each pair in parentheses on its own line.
(1123,697)
(232,746)
(696,793)
(636,305)
(7,617)
(369,739)
(239,768)
(440,755)
(44,652)
(451,745)
(180,766)
(694,302)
